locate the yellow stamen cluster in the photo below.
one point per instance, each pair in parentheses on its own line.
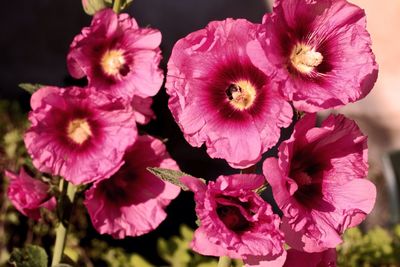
(304,58)
(241,94)
(79,131)
(112,62)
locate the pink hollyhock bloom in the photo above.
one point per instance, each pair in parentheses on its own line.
(28,195)
(318,182)
(80,134)
(218,97)
(297,258)
(117,56)
(321,50)
(235,221)
(132,201)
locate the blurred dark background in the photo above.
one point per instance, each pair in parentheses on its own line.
(35,37)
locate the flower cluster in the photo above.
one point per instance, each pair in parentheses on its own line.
(89,135)
(233,86)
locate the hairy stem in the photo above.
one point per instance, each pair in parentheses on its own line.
(224,261)
(67,199)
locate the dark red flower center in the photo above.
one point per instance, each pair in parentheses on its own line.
(232,218)
(230,213)
(307,175)
(115,189)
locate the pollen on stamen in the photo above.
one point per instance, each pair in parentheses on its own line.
(305,58)
(241,94)
(79,131)
(113,62)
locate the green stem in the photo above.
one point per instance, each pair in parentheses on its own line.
(224,261)
(117,6)
(67,193)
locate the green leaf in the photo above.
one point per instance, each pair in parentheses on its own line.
(138,261)
(186,232)
(208,264)
(116,257)
(165,251)
(11,140)
(30,87)
(171,176)
(30,256)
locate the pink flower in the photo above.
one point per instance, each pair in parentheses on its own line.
(297,258)
(235,221)
(321,51)
(80,134)
(218,97)
(318,182)
(132,201)
(117,56)
(28,195)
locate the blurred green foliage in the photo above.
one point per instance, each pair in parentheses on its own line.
(376,247)
(177,253)
(30,256)
(13,123)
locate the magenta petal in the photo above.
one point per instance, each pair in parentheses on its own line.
(277,180)
(204,68)
(302,259)
(359,193)
(261,261)
(37,98)
(194,184)
(319,182)
(201,243)
(132,201)
(313,238)
(28,195)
